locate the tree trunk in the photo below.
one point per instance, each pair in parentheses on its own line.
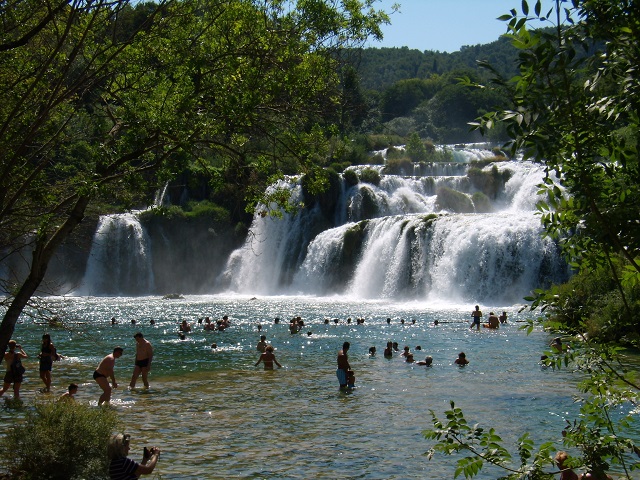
(45,248)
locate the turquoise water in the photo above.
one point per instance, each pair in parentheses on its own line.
(214,415)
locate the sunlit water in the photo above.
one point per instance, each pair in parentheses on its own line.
(215,415)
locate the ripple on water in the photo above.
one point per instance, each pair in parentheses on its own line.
(215,415)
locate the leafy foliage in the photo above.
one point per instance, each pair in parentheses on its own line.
(104,101)
(59,440)
(575,108)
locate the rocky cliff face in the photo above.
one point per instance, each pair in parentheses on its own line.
(187,254)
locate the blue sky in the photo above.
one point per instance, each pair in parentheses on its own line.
(445,25)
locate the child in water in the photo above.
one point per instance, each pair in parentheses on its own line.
(351,379)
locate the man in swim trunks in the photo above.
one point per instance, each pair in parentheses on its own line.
(144,356)
(343,366)
(104,371)
(476,314)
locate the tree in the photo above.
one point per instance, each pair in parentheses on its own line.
(415,148)
(575,108)
(104,98)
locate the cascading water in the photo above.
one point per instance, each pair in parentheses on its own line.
(396,241)
(119,261)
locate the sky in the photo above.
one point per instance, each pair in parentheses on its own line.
(445,25)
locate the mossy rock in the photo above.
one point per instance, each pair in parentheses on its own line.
(482,203)
(369,203)
(453,201)
(352,242)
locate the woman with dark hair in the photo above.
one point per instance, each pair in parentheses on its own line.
(47,355)
(15,370)
(123,468)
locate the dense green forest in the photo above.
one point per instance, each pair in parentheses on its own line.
(379,68)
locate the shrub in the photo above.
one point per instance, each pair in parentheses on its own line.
(351,177)
(395,152)
(369,175)
(488,182)
(439,155)
(206,208)
(398,166)
(336,167)
(377,159)
(59,440)
(380,142)
(356,155)
(486,161)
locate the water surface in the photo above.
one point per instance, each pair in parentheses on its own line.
(215,415)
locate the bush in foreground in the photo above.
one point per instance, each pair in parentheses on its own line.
(59,440)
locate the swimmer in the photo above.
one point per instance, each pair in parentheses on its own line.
(461,360)
(427,361)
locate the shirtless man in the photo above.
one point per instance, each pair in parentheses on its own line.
(476,314)
(268,358)
(144,356)
(104,371)
(493,321)
(343,366)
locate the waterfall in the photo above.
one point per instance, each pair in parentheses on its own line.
(395,241)
(120,260)
(160,199)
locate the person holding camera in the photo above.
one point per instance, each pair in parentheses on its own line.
(15,370)
(122,467)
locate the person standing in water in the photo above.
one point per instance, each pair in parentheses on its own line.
(343,366)
(104,371)
(144,356)
(15,370)
(477,315)
(268,358)
(47,356)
